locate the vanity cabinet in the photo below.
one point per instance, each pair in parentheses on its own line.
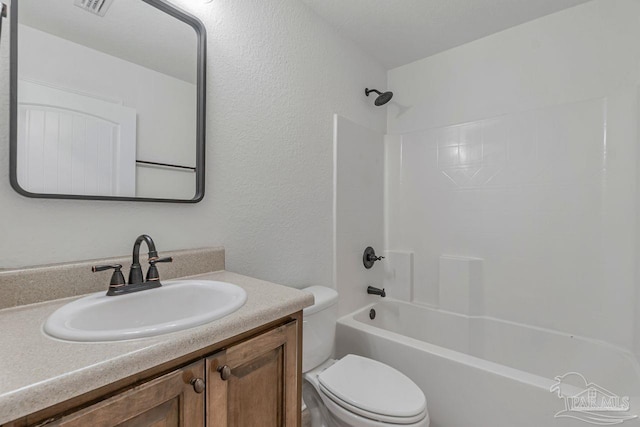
(255,383)
(252,380)
(168,401)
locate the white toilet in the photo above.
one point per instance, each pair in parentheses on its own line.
(356,391)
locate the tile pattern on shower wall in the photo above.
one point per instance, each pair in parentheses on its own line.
(536,195)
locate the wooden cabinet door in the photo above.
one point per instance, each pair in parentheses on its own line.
(257,382)
(168,401)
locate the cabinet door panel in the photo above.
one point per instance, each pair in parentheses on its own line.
(263,405)
(168,401)
(262,388)
(164,415)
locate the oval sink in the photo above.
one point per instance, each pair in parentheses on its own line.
(175,306)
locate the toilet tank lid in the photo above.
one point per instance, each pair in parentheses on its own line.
(323,297)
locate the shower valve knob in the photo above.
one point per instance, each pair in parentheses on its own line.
(369,257)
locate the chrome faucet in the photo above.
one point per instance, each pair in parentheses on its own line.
(117,286)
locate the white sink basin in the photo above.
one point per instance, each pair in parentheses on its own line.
(175,306)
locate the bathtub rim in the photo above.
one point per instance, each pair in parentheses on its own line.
(504,371)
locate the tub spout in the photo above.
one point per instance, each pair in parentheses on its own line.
(376,291)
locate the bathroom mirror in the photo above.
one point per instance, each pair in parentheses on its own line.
(107,100)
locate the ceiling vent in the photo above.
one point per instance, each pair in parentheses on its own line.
(97,7)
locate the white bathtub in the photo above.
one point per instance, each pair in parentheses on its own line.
(478,371)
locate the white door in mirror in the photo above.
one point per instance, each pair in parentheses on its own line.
(173,307)
(72,143)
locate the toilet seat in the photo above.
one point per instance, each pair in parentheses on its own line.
(336,405)
(348,418)
(373,390)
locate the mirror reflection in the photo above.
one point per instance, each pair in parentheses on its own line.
(107,100)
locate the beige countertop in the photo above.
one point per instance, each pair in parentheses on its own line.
(37,371)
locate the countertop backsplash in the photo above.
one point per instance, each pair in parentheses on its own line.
(48,282)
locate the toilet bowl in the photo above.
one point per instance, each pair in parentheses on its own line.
(356,391)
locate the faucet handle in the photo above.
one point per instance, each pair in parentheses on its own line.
(106,267)
(369,257)
(152,274)
(117,278)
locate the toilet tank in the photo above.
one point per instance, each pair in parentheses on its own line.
(319,327)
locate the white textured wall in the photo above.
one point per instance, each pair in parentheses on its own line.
(276,75)
(521,149)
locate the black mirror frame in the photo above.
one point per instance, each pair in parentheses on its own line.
(163,6)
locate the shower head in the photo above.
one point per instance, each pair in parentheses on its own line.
(382,98)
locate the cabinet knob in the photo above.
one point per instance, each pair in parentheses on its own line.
(225,372)
(198,385)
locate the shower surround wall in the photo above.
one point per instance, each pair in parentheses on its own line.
(520,150)
(359,206)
